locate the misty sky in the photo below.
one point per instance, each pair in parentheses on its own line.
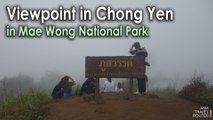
(176,49)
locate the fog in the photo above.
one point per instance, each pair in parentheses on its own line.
(176,49)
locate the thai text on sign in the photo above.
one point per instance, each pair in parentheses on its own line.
(115,66)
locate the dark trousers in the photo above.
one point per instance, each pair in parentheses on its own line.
(141,85)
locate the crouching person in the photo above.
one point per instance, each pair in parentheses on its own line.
(67,86)
(88,86)
(58,90)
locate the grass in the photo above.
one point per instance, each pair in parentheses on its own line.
(28,106)
(76,90)
(198,91)
(25,106)
(168,91)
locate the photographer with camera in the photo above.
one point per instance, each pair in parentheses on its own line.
(137,50)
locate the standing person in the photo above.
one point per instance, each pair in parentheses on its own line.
(138,51)
(88,86)
(109,85)
(68,86)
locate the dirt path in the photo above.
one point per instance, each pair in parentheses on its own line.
(116,108)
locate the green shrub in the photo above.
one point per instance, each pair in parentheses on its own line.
(76,90)
(198,91)
(25,106)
